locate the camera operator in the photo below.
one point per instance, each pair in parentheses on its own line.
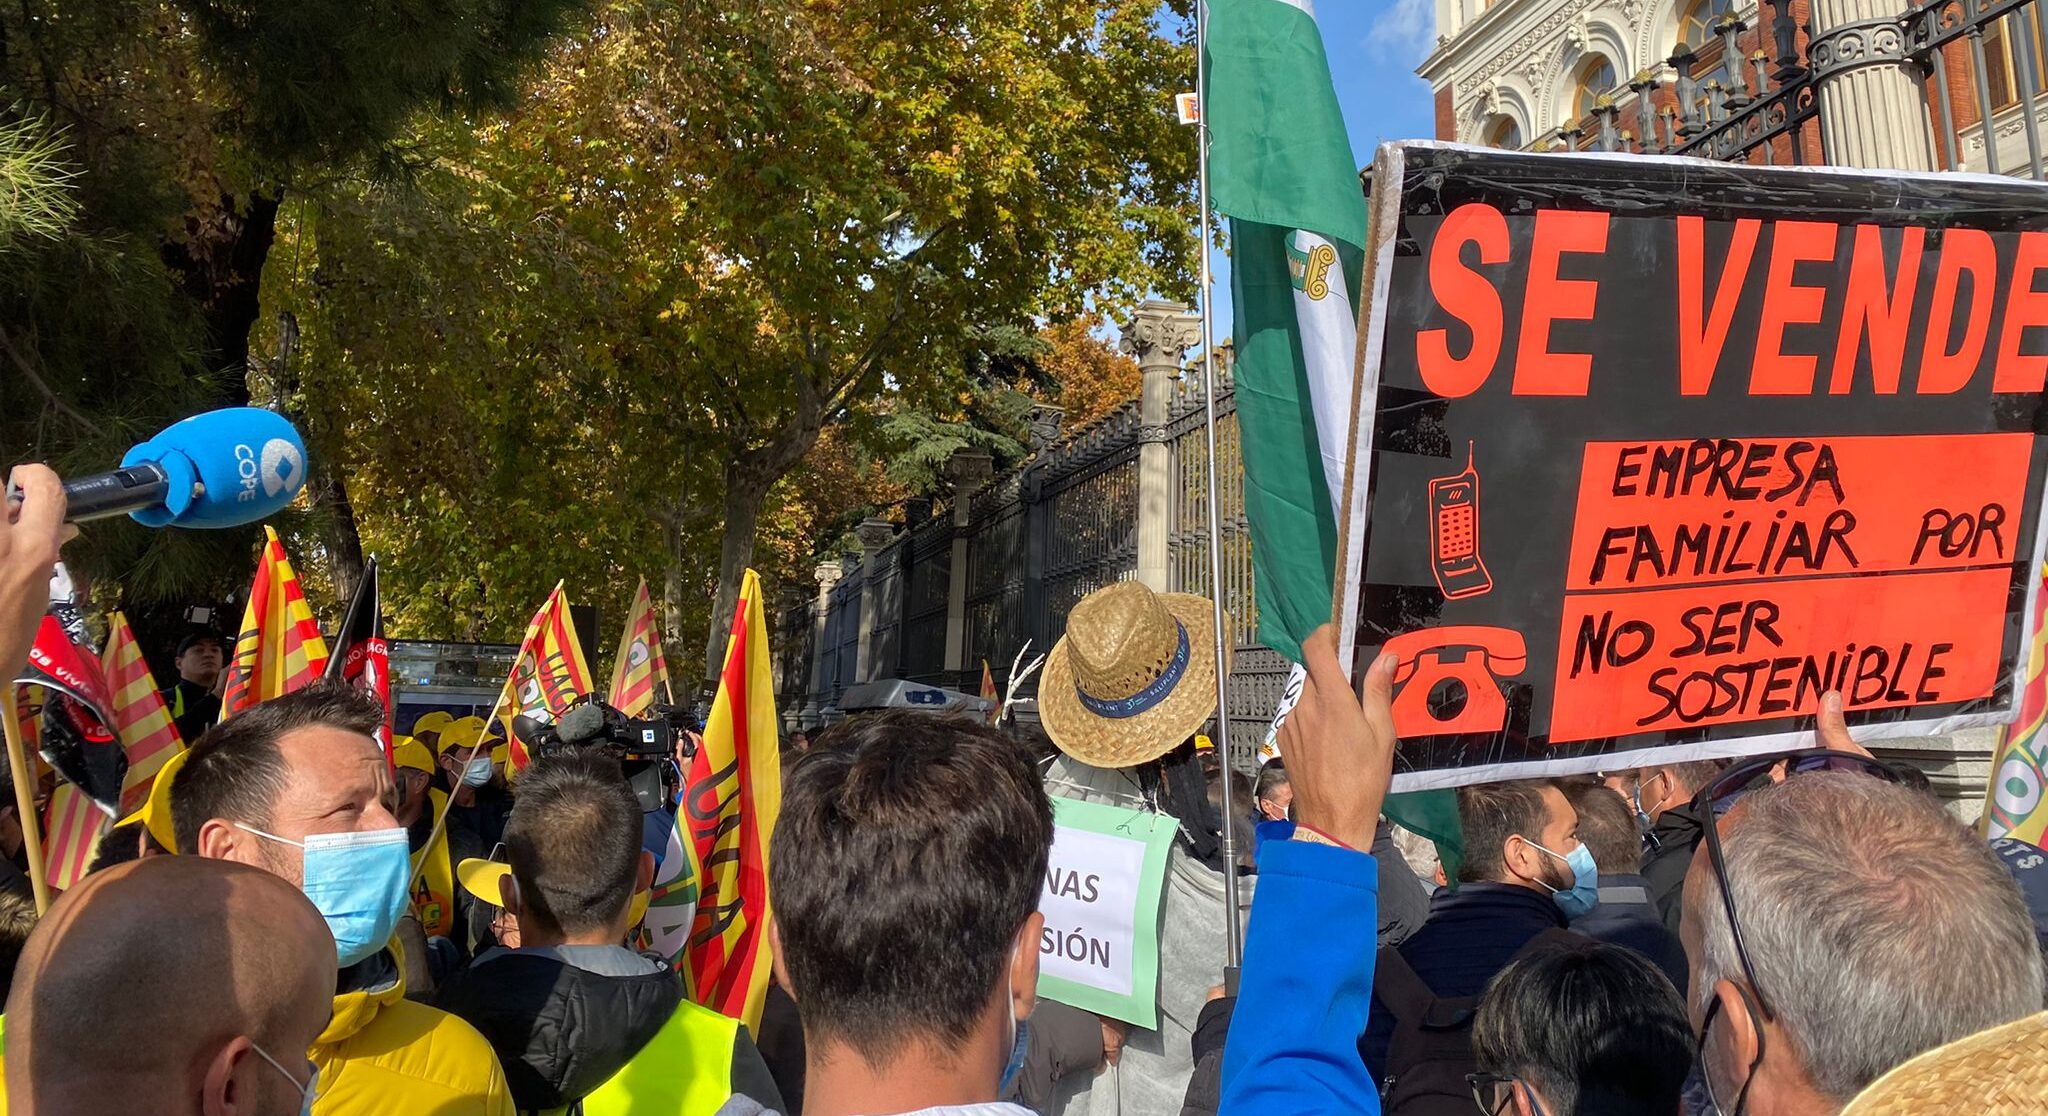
(653,753)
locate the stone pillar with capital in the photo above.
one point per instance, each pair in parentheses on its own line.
(1158,334)
(828,575)
(874,534)
(1872,115)
(966,471)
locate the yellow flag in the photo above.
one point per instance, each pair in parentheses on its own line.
(280,648)
(639,671)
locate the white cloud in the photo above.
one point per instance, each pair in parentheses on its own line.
(1403,33)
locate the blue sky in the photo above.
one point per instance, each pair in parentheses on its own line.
(1374,47)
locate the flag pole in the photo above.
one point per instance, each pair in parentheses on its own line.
(1233,943)
(24,796)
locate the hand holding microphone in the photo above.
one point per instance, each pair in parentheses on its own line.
(30,533)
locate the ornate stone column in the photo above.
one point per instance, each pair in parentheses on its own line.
(874,535)
(967,471)
(828,575)
(1870,106)
(1158,334)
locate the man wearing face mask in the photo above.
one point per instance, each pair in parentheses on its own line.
(1662,799)
(1525,874)
(476,820)
(297,786)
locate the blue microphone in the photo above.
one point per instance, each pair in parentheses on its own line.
(220,469)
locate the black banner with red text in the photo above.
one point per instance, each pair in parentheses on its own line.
(1651,453)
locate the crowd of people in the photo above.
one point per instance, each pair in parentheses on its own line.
(1810,933)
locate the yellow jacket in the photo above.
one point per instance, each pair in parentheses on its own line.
(383,1055)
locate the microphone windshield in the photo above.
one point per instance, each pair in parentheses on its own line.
(228,467)
(585,722)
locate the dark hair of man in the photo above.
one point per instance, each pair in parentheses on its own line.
(1595,1028)
(1272,777)
(909,852)
(1607,827)
(1491,813)
(118,845)
(573,842)
(235,771)
(17,920)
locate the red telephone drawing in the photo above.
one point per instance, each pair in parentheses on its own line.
(1454,533)
(1461,661)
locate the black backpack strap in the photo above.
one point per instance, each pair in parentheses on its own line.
(1397,986)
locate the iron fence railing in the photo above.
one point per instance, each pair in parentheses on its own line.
(1760,89)
(1038,538)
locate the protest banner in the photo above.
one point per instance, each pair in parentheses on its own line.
(1099,949)
(1651,453)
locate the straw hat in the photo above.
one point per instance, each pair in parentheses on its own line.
(1999,1072)
(1134,676)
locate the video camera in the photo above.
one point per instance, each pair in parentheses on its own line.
(590,722)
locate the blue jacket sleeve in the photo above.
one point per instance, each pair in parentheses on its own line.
(1307,984)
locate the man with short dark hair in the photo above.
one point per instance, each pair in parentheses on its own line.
(1624,914)
(1590,1030)
(297,786)
(906,868)
(1273,793)
(1520,871)
(194,699)
(577,1018)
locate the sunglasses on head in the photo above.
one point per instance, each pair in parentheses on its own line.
(1722,792)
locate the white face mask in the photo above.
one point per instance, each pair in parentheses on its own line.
(307,1092)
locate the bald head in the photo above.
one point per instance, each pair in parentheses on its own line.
(157,979)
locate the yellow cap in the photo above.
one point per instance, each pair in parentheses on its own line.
(481,877)
(156,810)
(407,752)
(430,725)
(463,732)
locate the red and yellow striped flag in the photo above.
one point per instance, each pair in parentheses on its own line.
(639,671)
(141,721)
(2014,802)
(280,649)
(549,673)
(72,825)
(731,799)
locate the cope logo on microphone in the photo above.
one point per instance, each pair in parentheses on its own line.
(279,468)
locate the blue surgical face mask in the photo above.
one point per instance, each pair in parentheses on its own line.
(478,772)
(307,1092)
(1020,1033)
(1585,890)
(357,883)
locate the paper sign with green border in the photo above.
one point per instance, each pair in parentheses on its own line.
(1099,950)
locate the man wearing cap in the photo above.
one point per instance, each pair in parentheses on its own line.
(434,901)
(194,699)
(297,786)
(577,1018)
(1124,691)
(476,821)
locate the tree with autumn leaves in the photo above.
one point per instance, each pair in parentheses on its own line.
(704,238)
(639,289)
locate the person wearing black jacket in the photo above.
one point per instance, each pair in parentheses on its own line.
(194,699)
(571,1012)
(1663,802)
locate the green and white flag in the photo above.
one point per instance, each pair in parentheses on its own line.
(1280,167)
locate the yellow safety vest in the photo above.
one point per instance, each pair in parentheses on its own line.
(433,897)
(686,1069)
